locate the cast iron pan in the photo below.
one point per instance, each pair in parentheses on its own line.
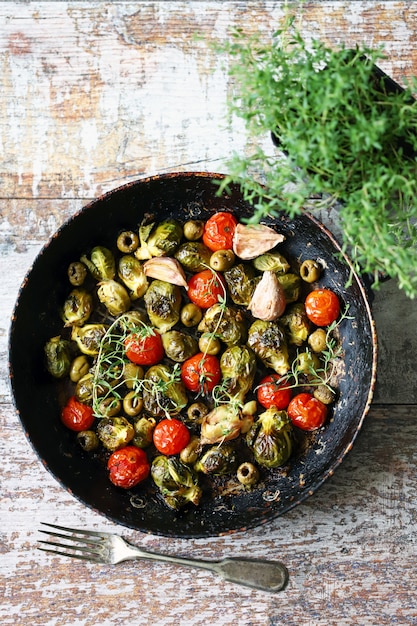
(39,398)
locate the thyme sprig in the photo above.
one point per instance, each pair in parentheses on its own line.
(346,140)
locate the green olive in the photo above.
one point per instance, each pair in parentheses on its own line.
(132,404)
(109,407)
(196,412)
(88,440)
(222,260)
(247,474)
(209,344)
(307,362)
(189,454)
(127,241)
(132,373)
(191,315)
(77,273)
(310,270)
(317,340)
(324,394)
(193,229)
(79,368)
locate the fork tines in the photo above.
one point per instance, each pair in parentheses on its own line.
(78,544)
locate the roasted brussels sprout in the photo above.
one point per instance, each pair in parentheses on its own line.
(101,263)
(296,323)
(238,367)
(163,392)
(162,240)
(194,256)
(79,367)
(291,283)
(88,338)
(77,307)
(127,241)
(222,260)
(179,346)
(307,362)
(247,474)
(273,262)
(223,423)
(163,304)
(227,323)
(310,270)
(191,315)
(115,432)
(84,389)
(241,282)
(268,342)
(270,438)
(218,460)
(131,272)
(193,229)
(88,440)
(57,356)
(177,483)
(144,427)
(114,297)
(77,273)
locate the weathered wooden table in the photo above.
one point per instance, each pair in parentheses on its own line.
(94,94)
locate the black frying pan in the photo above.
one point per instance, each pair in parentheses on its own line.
(38,398)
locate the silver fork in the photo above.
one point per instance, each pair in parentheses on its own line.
(111,549)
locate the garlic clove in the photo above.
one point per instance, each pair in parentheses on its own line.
(254,239)
(268,300)
(167,269)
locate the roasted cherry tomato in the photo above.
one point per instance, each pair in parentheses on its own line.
(201,373)
(273,393)
(306,412)
(128,467)
(219,230)
(170,436)
(322,307)
(76,415)
(205,288)
(144,349)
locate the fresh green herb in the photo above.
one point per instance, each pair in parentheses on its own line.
(345,140)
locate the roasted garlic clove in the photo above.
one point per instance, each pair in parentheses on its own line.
(254,239)
(167,269)
(268,300)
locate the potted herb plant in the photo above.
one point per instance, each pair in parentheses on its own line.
(349,136)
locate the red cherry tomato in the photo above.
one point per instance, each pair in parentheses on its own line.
(322,307)
(144,349)
(170,436)
(306,412)
(128,467)
(219,230)
(76,415)
(205,288)
(273,393)
(201,373)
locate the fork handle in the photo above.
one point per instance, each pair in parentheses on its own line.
(265,575)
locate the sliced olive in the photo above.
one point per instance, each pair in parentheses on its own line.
(310,270)
(132,404)
(127,241)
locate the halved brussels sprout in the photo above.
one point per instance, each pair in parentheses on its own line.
(238,367)
(296,323)
(101,263)
(227,324)
(89,337)
(218,460)
(163,392)
(179,346)
(131,272)
(267,340)
(291,284)
(159,240)
(241,282)
(271,261)
(114,297)
(77,307)
(115,432)
(194,256)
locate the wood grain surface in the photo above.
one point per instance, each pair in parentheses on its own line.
(94,94)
